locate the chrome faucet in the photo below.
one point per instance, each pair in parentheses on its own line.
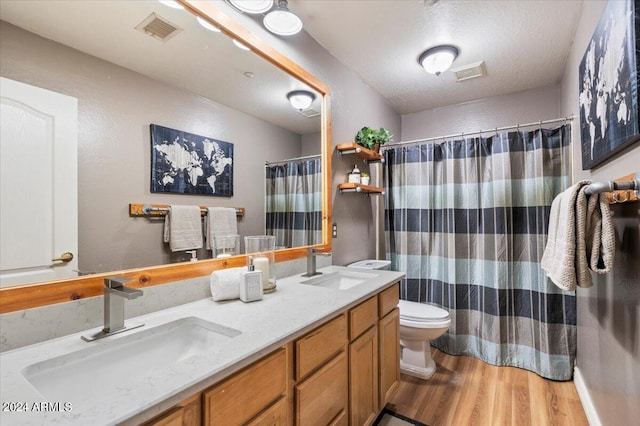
(115,292)
(311,261)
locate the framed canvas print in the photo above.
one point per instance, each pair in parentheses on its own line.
(609,80)
(185,163)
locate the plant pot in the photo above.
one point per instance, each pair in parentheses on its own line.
(376,148)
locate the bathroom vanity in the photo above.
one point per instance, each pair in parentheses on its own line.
(321,350)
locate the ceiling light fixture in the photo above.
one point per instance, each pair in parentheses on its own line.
(438,59)
(171,3)
(301,99)
(207,25)
(251,6)
(282,21)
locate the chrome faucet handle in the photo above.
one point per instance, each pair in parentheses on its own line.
(312,251)
(116,285)
(116,282)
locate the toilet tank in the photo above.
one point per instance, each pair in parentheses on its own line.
(371,264)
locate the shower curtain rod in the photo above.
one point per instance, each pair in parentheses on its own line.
(480,132)
(307,157)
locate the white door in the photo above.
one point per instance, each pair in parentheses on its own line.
(38,184)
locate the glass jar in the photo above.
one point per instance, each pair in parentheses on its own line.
(261,249)
(225,245)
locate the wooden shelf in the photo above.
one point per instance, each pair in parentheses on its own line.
(364,189)
(359,151)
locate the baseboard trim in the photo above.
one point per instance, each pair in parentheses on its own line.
(585,398)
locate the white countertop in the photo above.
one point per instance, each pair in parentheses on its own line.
(265,325)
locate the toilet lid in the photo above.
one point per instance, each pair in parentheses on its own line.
(415,311)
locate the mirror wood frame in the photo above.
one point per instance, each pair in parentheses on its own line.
(48,293)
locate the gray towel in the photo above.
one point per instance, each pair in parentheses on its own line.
(183,228)
(581,237)
(221,221)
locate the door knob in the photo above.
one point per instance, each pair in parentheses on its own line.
(64,257)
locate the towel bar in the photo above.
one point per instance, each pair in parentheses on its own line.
(600,187)
(155,210)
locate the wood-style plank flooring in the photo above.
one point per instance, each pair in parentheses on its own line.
(466,391)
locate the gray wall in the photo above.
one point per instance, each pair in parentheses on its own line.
(608,357)
(483,114)
(115,109)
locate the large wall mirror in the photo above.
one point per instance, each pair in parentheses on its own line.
(195,80)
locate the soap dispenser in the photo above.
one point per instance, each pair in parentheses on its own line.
(250,283)
(354,175)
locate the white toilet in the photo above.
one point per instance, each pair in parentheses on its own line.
(419,324)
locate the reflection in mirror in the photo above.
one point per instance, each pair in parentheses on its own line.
(125,75)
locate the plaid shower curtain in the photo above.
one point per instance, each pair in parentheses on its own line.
(294,203)
(467,221)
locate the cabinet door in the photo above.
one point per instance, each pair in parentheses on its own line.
(275,415)
(240,398)
(363,378)
(187,413)
(322,397)
(389,355)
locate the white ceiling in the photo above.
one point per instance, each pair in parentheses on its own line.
(195,59)
(523,43)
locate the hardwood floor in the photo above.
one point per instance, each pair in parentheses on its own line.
(466,391)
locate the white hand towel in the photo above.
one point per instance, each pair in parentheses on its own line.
(183,228)
(581,237)
(225,284)
(221,221)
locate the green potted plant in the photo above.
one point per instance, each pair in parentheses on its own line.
(364,178)
(372,138)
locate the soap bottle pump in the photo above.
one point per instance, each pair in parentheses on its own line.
(251,283)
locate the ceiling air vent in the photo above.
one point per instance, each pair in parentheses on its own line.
(309,112)
(158,27)
(470,71)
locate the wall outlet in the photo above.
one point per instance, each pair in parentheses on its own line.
(334,230)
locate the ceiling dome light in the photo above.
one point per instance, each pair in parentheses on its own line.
(251,6)
(207,25)
(282,21)
(301,99)
(171,3)
(438,59)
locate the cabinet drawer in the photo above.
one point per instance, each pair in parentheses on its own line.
(388,300)
(362,317)
(274,415)
(341,420)
(238,399)
(322,397)
(319,345)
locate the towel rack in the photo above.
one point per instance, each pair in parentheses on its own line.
(626,183)
(155,210)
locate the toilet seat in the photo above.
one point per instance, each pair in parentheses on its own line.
(420,315)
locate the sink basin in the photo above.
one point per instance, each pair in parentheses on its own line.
(115,366)
(341,280)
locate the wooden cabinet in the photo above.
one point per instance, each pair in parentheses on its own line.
(242,397)
(363,378)
(321,368)
(323,396)
(187,413)
(342,372)
(389,355)
(318,346)
(388,343)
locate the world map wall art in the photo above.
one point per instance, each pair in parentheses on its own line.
(184,163)
(609,80)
